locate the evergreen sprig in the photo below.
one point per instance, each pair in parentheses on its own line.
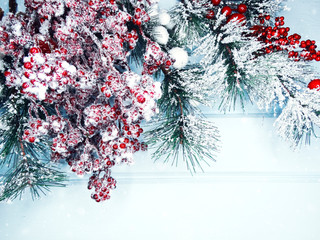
(23,164)
(190,139)
(32,174)
(181,133)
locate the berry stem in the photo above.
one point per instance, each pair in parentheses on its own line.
(1,14)
(22,149)
(13,6)
(30,112)
(43,110)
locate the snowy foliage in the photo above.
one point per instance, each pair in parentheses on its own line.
(190,139)
(186,29)
(271,7)
(300,117)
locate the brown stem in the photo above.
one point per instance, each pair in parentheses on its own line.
(22,147)
(13,6)
(1,14)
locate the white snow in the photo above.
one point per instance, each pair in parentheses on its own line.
(164,18)
(180,56)
(161,35)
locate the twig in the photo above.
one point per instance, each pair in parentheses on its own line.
(285,87)
(1,14)
(13,6)
(22,148)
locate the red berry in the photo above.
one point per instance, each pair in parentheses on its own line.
(296,36)
(210,14)
(314,84)
(237,17)
(25,85)
(141,99)
(312,47)
(115,146)
(242,8)
(27,65)
(27,74)
(32,139)
(7,74)
(138,22)
(12,46)
(282,31)
(215,2)
(267,17)
(226,10)
(122,145)
(34,50)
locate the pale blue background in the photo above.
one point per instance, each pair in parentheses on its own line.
(258,189)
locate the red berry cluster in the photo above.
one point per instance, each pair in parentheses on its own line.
(231,14)
(46,7)
(39,72)
(140,15)
(132,39)
(278,39)
(37,128)
(13,35)
(102,186)
(98,115)
(73,57)
(155,58)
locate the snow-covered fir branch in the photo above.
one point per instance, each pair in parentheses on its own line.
(300,118)
(188,24)
(189,139)
(261,7)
